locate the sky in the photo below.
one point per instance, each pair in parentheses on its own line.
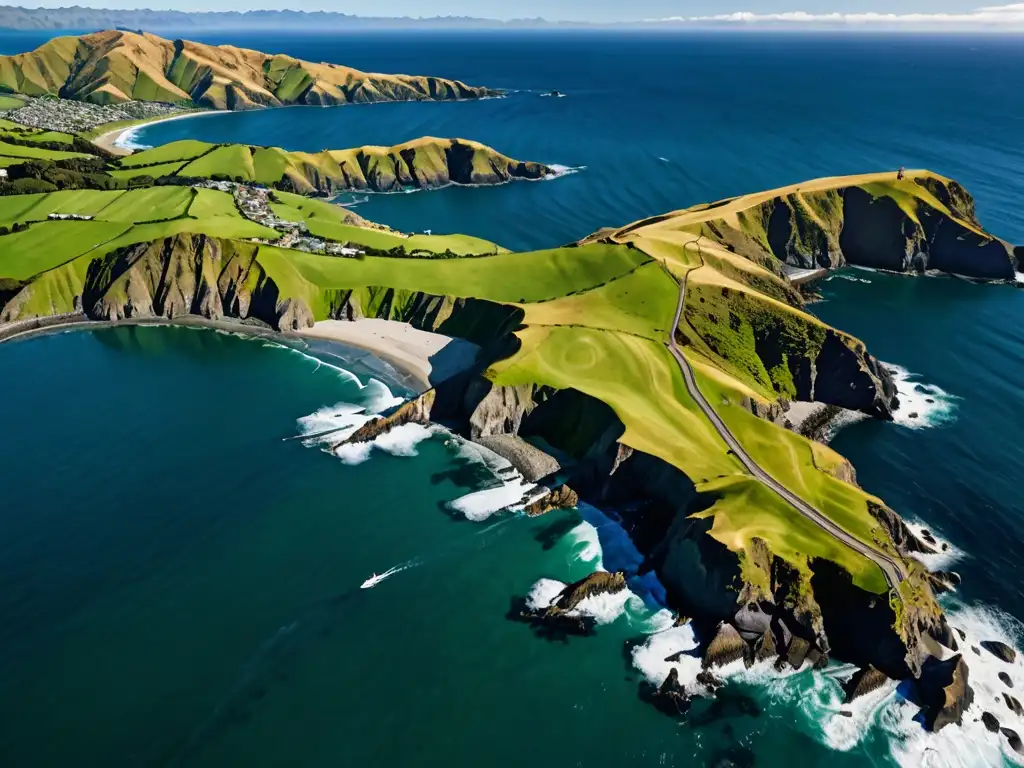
(950,14)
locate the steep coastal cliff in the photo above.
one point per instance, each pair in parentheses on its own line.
(921,222)
(424,163)
(112,67)
(581,355)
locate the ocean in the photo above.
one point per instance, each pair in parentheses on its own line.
(180,585)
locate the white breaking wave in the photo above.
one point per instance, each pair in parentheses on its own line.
(337,421)
(480,505)
(562,170)
(945,553)
(586,545)
(971,744)
(921,405)
(604,609)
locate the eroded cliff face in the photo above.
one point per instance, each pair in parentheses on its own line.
(886,232)
(427,163)
(755,605)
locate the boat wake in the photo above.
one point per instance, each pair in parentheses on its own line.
(377,578)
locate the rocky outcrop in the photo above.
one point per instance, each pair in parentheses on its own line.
(562,497)
(671,696)
(1013,739)
(597,583)
(1000,650)
(863,682)
(945,692)
(1013,704)
(415,411)
(726,647)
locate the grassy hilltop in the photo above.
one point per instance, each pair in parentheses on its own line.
(575,347)
(66,160)
(422,163)
(114,67)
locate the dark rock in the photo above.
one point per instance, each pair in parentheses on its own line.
(963,635)
(597,583)
(797,652)
(1014,740)
(845,713)
(944,581)
(563,497)
(1013,704)
(1006,679)
(764,648)
(709,681)
(863,682)
(990,721)
(976,651)
(1000,650)
(945,692)
(726,647)
(671,697)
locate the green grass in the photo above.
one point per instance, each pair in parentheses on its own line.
(10,102)
(183,150)
(220,226)
(510,277)
(45,246)
(232,160)
(149,204)
(156,171)
(15,150)
(327,220)
(642,303)
(212,202)
(794,461)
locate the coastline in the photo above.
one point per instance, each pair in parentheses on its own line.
(429,358)
(422,358)
(116,140)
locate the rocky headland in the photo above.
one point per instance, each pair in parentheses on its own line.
(115,66)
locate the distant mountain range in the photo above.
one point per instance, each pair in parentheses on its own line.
(85,19)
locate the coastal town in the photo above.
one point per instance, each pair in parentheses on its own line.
(54,114)
(253,202)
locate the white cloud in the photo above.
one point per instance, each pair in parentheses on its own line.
(996,17)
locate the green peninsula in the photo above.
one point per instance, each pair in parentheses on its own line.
(656,361)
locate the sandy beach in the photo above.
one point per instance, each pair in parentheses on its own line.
(114,140)
(430,357)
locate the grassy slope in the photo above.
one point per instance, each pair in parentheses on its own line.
(343,168)
(596,320)
(330,221)
(16,150)
(113,67)
(120,219)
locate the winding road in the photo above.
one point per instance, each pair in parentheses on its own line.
(892,569)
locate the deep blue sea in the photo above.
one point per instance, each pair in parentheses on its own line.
(180,587)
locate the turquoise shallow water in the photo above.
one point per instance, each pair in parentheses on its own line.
(180,587)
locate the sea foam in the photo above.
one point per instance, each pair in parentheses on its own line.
(921,405)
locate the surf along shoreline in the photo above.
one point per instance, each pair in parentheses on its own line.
(415,357)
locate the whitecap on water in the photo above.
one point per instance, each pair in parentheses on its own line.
(945,553)
(604,609)
(921,405)
(513,495)
(558,171)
